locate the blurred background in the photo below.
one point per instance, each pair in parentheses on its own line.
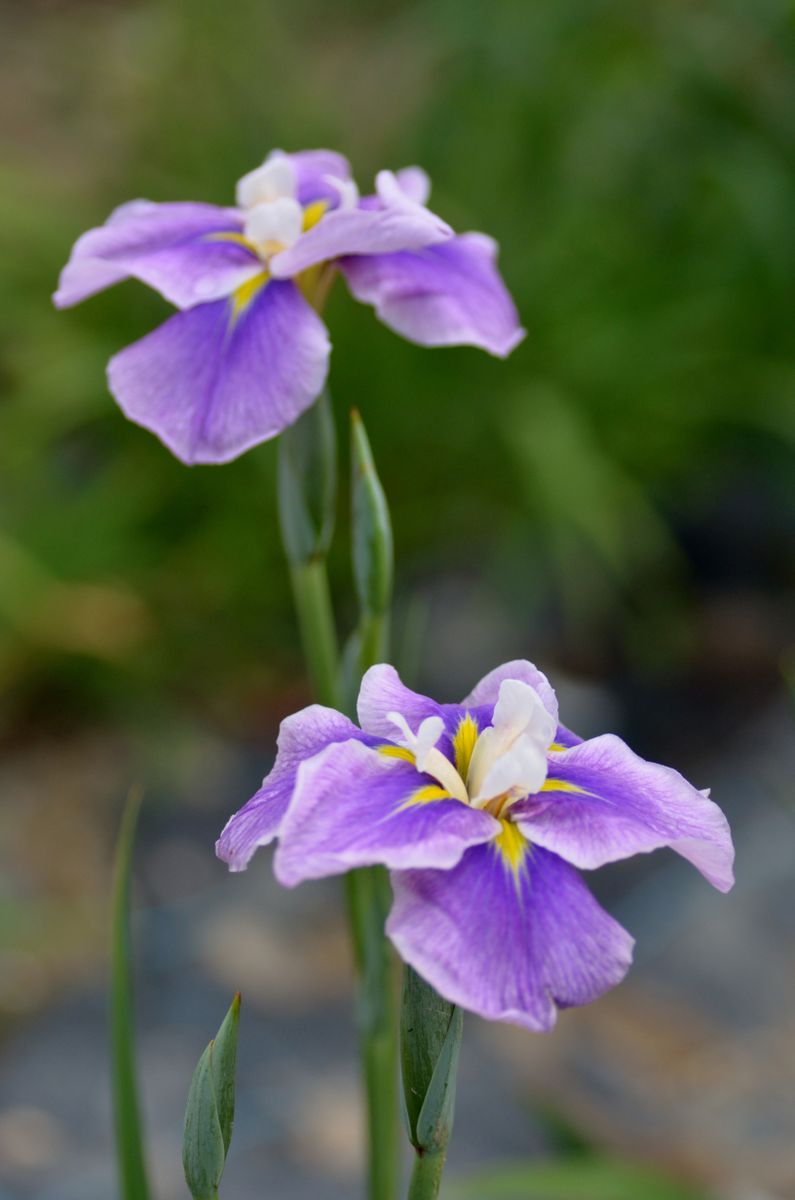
(614,502)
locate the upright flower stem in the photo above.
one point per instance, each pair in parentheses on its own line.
(307,493)
(368,896)
(426,1177)
(312,599)
(368,890)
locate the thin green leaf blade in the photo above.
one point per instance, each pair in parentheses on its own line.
(133,1180)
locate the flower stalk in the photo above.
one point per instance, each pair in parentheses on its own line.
(307,495)
(368,892)
(307,489)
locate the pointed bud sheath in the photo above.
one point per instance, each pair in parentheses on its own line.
(372,528)
(210,1111)
(430,1041)
(308,483)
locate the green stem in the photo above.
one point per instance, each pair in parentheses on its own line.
(316,623)
(367,889)
(368,894)
(426,1177)
(373,634)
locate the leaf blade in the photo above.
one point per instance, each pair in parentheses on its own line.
(133,1178)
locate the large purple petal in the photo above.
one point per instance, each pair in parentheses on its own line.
(354,806)
(257,823)
(399,225)
(487,691)
(510,942)
(215,380)
(450,294)
(602,802)
(566,738)
(170,247)
(312,171)
(382,691)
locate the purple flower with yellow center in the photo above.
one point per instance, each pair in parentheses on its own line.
(485,812)
(248,352)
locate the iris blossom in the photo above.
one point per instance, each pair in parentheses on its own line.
(484,811)
(248,351)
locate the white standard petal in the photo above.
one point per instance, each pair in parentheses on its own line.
(415,183)
(520,770)
(346,189)
(390,192)
(274,226)
(512,754)
(274,180)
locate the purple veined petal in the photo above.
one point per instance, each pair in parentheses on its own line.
(215,380)
(487,691)
(382,691)
(601,802)
(354,806)
(257,823)
(312,169)
(174,248)
(566,738)
(448,294)
(511,939)
(362,231)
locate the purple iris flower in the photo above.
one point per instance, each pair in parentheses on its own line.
(483,811)
(248,351)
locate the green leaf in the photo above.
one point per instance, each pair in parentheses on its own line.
(133,1180)
(582,1179)
(307,483)
(210,1111)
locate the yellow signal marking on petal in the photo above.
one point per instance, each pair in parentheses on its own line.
(562,785)
(557,747)
(512,846)
(239,239)
(242,296)
(397,752)
(425,795)
(464,743)
(313,212)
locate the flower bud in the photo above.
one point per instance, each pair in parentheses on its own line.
(430,1041)
(210,1111)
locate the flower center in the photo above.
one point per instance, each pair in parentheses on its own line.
(508,759)
(273,217)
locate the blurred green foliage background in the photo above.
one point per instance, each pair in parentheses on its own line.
(630,463)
